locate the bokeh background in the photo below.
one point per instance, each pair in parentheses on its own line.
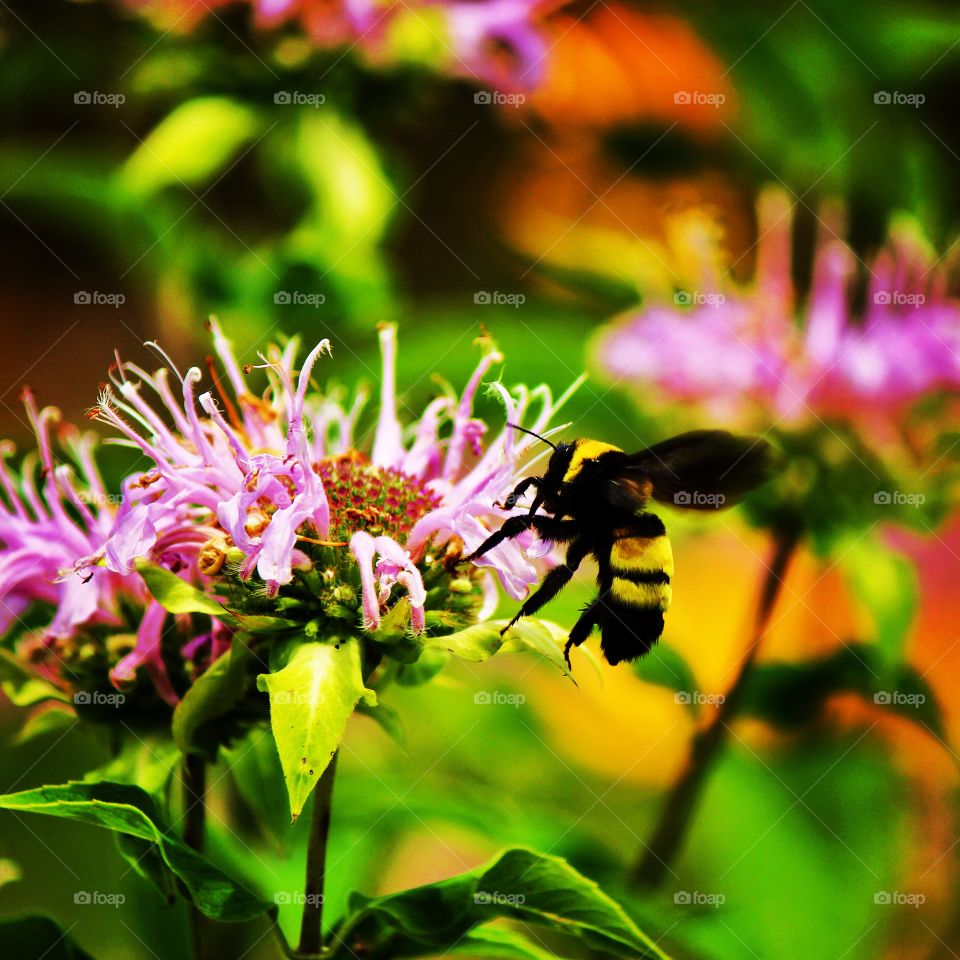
(165,161)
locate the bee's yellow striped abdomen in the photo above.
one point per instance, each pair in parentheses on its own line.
(642,568)
(630,554)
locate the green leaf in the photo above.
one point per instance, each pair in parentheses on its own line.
(27,938)
(886,584)
(23,688)
(482,640)
(145,859)
(213,693)
(255,769)
(311,699)
(43,722)
(520,884)
(353,198)
(190,145)
(665,667)
(129,810)
(790,695)
(388,718)
(476,643)
(538,636)
(495,942)
(176,595)
(147,761)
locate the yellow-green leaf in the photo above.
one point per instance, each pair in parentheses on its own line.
(311,699)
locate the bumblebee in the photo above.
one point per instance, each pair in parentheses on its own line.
(595,496)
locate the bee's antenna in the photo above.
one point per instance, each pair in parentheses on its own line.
(517,426)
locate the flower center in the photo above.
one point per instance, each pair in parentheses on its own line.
(380,500)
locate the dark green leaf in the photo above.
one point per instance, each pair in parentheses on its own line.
(519,884)
(214,692)
(665,667)
(129,810)
(790,695)
(30,938)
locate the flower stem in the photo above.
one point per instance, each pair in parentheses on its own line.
(194,777)
(708,744)
(311,924)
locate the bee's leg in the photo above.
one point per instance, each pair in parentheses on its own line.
(518,491)
(582,628)
(553,582)
(547,527)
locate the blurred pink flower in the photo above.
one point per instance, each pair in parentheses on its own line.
(741,352)
(494,41)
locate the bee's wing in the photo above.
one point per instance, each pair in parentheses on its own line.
(700,470)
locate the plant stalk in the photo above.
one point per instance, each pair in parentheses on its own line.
(311,924)
(681,804)
(194,777)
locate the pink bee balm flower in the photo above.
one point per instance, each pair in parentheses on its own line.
(272,489)
(740,352)
(55,519)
